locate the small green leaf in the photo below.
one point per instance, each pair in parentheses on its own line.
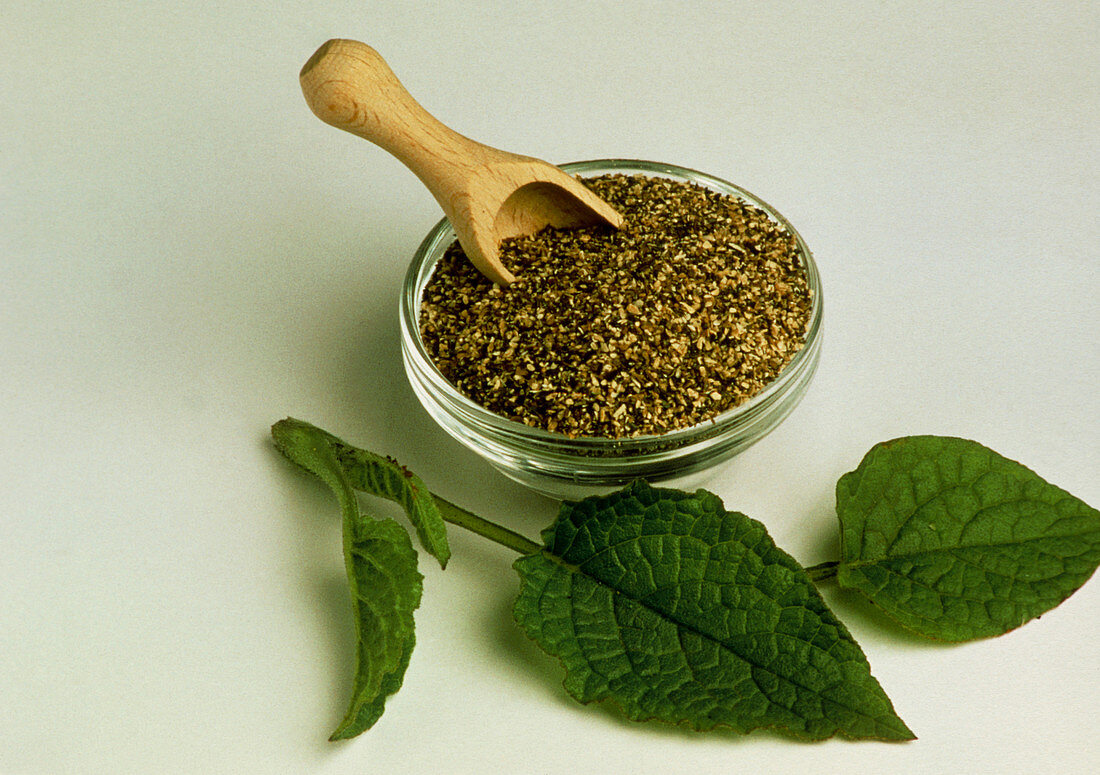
(309,447)
(313,448)
(382,576)
(956,542)
(678,610)
(386,589)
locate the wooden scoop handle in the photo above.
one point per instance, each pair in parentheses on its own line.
(348,85)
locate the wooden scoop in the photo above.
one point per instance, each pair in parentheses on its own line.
(487,194)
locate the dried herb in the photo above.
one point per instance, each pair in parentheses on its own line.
(675,609)
(690,309)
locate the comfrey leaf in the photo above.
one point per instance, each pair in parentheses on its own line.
(382,577)
(678,610)
(956,542)
(386,589)
(311,447)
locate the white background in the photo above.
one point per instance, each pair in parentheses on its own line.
(187,255)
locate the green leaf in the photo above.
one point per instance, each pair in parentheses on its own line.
(956,542)
(382,576)
(309,447)
(314,449)
(386,589)
(678,610)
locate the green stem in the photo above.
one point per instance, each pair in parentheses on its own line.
(457,515)
(822,572)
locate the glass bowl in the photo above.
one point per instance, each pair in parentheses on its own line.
(572,468)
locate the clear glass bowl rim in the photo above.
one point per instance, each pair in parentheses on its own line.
(470,413)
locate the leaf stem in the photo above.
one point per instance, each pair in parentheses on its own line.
(822,572)
(457,515)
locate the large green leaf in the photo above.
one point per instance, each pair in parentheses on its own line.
(314,449)
(383,579)
(678,610)
(956,542)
